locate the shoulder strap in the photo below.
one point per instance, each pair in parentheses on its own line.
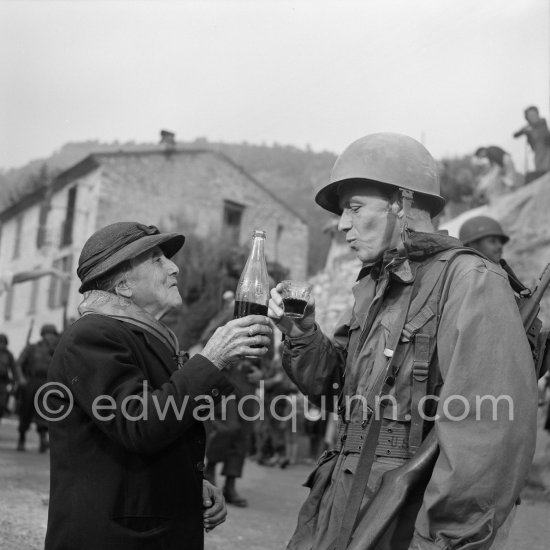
(432,282)
(422,329)
(381,387)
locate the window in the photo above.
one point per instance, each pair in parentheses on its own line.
(59,290)
(232,217)
(34,296)
(67,233)
(8,305)
(42,223)
(17,242)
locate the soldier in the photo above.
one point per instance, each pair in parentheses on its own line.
(538,137)
(432,323)
(485,235)
(7,373)
(32,370)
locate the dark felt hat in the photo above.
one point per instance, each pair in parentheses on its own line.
(119,242)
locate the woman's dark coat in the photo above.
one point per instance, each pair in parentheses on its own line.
(126,481)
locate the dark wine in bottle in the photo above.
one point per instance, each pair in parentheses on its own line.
(243,308)
(252,295)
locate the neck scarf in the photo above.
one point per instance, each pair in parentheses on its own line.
(118,307)
(418,246)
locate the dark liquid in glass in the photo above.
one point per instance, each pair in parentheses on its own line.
(242,309)
(294,307)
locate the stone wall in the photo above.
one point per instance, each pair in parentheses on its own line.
(187,190)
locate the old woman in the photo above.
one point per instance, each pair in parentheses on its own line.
(127,447)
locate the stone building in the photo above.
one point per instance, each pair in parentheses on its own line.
(200,192)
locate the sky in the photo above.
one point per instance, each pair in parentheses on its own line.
(454,74)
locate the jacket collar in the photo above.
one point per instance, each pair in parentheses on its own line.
(418,247)
(111,305)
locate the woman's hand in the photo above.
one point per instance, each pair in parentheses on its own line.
(290,326)
(248,336)
(214,504)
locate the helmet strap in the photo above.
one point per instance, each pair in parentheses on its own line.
(404,216)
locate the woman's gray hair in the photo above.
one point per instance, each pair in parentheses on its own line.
(110,281)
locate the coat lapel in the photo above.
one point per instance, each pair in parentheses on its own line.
(156,347)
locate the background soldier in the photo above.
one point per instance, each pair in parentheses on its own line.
(7,373)
(485,235)
(32,370)
(538,137)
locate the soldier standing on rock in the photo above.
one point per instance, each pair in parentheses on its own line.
(425,310)
(538,137)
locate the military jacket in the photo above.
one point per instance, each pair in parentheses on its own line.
(481,353)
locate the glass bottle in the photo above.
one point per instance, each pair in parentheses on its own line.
(252,294)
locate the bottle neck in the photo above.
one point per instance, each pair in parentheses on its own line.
(257,252)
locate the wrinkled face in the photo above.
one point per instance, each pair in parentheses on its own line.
(490,246)
(153,283)
(370,227)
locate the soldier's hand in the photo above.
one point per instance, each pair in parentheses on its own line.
(247,336)
(292,327)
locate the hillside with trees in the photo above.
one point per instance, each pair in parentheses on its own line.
(291,173)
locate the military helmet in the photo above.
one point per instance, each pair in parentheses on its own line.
(394,160)
(48,329)
(481,226)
